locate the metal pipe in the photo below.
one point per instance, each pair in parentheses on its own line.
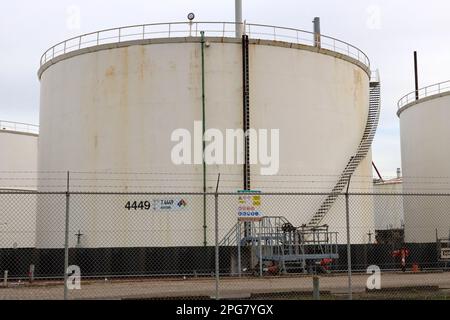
(416,75)
(378,172)
(205,227)
(238,18)
(317,40)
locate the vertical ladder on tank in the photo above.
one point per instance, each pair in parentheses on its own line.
(246,118)
(361,154)
(246,109)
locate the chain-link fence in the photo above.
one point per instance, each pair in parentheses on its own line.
(223,245)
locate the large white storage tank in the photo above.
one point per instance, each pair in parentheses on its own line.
(425,136)
(18,166)
(112,107)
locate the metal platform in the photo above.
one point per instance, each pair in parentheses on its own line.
(275,240)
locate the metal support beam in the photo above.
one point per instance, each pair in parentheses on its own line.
(377,171)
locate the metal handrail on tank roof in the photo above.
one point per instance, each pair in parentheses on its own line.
(193,29)
(424,92)
(18,127)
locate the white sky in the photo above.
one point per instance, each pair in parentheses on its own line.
(388,31)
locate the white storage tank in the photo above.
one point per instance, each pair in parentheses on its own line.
(388,203)
(18,166)
(110,102)
(425,136)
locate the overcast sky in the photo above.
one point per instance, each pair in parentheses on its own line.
(387,30)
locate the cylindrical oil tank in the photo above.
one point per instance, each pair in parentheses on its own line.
(425,136)
(18,166)
(108,112)
(388,204)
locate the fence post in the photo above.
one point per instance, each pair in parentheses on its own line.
(66,238)
(316,287)
(349,248)
(216,218)
(238,240)
(31,273)
(261,270)
(5,279)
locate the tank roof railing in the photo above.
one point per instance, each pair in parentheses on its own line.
(193,29)
(424,92)
(18,127)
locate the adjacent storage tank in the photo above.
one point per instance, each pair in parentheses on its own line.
(112,106)
(18,166)
(425,136)
(389,213)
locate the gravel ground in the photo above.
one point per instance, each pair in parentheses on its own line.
(396,284)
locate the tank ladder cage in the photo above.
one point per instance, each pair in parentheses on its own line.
(275,239)
(192,29)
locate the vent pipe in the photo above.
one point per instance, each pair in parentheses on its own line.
(316,23)
(416,75)
(238,19)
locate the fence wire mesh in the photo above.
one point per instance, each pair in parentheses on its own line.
(164,245)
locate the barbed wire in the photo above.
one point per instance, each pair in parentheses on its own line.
(225,174)
(171,188)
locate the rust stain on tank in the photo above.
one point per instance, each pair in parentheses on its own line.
(358,84)
(110,72)
(124,110)
(124,80)
(357,78)
(143,63)
(96,143)
(195,78)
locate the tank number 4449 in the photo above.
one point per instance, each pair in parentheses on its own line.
(138,205)
(157,205)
